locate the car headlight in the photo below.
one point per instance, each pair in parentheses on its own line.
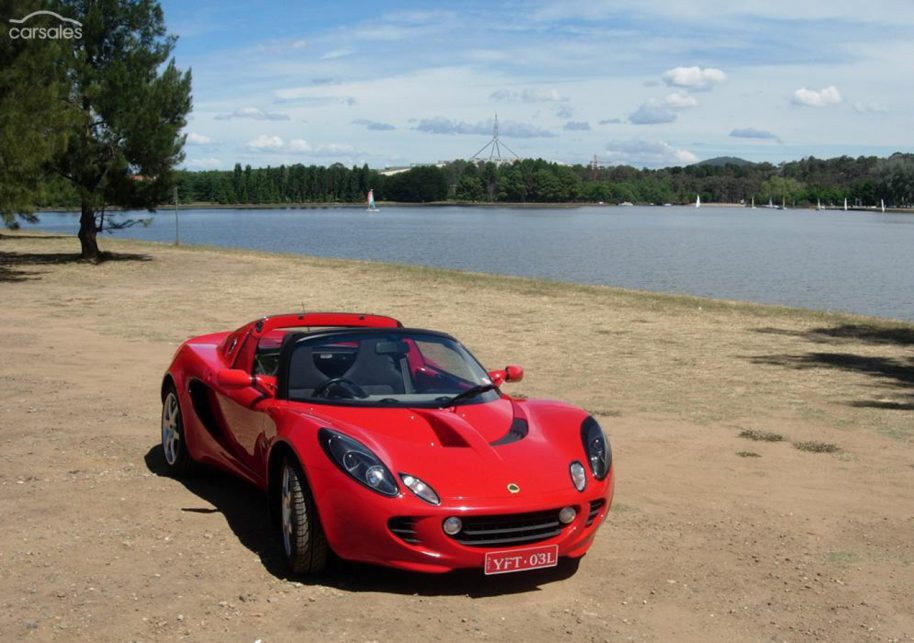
(356,460)
(420,488)
(596,446)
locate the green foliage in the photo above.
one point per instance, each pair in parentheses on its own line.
(129,103)
(33,121)
(761,436)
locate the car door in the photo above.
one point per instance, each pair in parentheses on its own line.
(243,414)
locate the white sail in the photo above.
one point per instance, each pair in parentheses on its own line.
(845,203)
(882,204)
(698,201)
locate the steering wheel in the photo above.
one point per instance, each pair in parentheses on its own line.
(354,390)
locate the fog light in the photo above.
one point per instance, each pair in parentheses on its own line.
(567,515)
(453,525)
(578,477)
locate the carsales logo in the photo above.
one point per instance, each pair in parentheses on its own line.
(65,29)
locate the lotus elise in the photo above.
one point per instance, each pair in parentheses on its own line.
(387,445)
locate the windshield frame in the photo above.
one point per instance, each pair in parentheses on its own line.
(283,375)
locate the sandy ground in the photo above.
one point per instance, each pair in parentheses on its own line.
(702,543)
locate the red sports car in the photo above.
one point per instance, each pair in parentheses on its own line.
(387,445)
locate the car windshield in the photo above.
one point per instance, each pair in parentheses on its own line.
(393,367)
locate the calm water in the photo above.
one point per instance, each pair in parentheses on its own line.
(845,261)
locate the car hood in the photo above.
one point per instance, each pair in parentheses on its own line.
(464,451)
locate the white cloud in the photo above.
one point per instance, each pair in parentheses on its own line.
(198,139)
(337,53)
(299,146)
(265,142)
(640,153)
(652,113)
(441,125)
(680,100)
(811,98)
(751,132)
(871,107)
(373,125)
(204,163)
(695,78)
(276,145)
(253,113)
(528,96)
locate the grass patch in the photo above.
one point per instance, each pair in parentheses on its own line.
(761,436)
(748,454)
(842,557)
(817,447)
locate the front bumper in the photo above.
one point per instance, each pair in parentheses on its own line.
(406,533)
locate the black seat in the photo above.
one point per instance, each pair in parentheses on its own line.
(303,374)
(377,374)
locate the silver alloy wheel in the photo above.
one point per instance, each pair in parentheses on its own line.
(286,502)
(171,435)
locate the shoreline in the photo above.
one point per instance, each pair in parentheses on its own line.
(466,204)
(505,281)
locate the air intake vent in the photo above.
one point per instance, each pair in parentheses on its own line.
(595,507)
(405,529)
(512,529)
(518,431)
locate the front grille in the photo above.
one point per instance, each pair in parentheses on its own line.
(595,507)
(405,529)
(512,529)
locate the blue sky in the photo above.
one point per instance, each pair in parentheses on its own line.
(648,83)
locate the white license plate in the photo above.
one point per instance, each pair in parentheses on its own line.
(518,560)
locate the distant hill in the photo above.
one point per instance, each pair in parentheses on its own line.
(720,161)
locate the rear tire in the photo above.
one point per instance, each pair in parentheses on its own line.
(174,445)
(304,543)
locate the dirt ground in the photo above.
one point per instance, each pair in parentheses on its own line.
(705,540)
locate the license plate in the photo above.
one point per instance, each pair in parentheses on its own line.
(518,560)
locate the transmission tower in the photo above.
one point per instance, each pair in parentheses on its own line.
(494,146)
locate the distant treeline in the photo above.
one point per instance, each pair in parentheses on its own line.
(863,180)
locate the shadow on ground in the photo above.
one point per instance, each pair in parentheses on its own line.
(894,375)
(19,266)
(246,513)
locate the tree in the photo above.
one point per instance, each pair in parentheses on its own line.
(128,103)
(32,116)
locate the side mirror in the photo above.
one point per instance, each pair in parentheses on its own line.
(514,373)
(509,374)
(232,378)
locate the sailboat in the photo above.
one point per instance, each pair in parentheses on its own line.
(845,204)
(753,203)
(371,205)
(819,204)
(698,201)
(882,204)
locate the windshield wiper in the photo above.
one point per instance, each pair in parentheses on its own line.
(468,394)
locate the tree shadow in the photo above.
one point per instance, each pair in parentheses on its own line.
(246,512)
(850,333)
(18,266)
(890,372)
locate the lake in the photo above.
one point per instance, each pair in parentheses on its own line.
(860,262)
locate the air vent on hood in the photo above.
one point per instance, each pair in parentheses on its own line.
(518,431)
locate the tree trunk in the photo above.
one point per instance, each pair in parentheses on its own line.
(87,235)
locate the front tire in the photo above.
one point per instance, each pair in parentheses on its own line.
(303,539)
(174,445)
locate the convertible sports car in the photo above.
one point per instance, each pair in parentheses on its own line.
(387,445)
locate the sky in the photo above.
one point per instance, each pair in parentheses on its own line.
(650,83)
